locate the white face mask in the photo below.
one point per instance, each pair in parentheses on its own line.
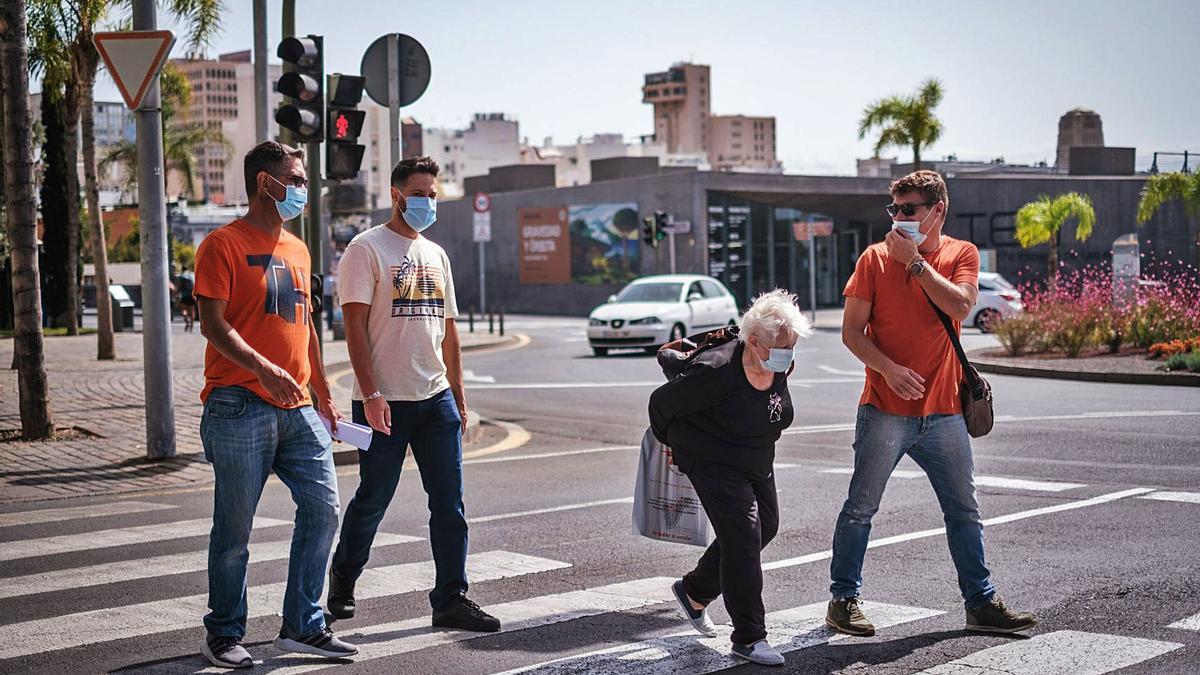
(912,228)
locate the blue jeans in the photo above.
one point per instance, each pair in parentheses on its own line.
(433,428)
(245,439)
(939,444)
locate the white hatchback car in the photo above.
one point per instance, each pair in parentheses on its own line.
(653,311)
(998,299)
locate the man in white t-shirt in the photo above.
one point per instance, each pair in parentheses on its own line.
(398,309)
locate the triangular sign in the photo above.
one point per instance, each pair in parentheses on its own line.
(134,59)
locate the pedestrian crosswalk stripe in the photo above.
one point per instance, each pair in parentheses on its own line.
(76,512)
(147,568)
(1168,496)
(123,536)
(401,637)
(1064,651)
(1190,623)
(160,616)
(687,652)
(984,481)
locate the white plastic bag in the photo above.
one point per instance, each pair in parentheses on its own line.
(665,505)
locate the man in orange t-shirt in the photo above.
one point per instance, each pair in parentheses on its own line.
(910,403)
(262,355)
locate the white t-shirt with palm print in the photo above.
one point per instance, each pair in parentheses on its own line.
(409,286)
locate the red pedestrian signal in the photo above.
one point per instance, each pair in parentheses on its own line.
(341,127)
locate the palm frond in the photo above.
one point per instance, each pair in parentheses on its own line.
(1033,223)
(895,135)
(1079,206)
(203,19)
(931,93)
(1165,187)
(880,113)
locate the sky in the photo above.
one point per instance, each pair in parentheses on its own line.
(574,68)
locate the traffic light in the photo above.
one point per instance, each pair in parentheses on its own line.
(303,111)
(649,236)
(660,226)
(343,154)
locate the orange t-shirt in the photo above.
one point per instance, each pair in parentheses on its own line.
(264,280)
(905,328)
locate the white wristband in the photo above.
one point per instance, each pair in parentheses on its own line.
(372,397)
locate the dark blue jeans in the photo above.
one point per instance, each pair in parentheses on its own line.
(433,428)
(246,439)
(939,444)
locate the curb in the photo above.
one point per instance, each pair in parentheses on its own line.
(510,339)
(984,365)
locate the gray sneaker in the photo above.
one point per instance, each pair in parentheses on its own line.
(698,617)
(846,616)
(760,652)
(322,643)
(226,651)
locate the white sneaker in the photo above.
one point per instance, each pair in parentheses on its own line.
(760,652)
(698,617)
(225,652)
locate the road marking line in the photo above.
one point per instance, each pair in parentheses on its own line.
(685,652)
(161,616)
(515,438)
(124,536)
(1190,623)
(922,534)
(849,426)
(1064,651)
(147,568)
(645,383)
(471,377)
(544,455)
(77,512)
(985,481)
(553,509)
(380,641)
(834,371)
(1168,496)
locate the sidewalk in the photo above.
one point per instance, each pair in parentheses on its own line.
(105,402)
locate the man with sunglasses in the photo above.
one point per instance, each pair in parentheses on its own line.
(252,283)
(910,404)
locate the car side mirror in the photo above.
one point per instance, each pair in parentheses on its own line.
(612,299)
(692,297)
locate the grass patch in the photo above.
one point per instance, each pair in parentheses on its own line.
(1189,362)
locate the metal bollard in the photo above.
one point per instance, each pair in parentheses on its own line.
(502,322)
(491,326)
(471,319)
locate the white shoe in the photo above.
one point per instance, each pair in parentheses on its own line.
(760,652)
(698,617)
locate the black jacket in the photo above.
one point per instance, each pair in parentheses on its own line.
(711,413)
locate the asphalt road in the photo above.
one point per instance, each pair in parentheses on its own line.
(1091,491)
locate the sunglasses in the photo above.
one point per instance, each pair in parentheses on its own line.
(906,209)
(295,180)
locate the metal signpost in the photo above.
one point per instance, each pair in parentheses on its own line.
(482,205)
(134,59)
(397,70)
(673,228)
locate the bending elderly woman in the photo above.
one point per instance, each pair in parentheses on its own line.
(721,417)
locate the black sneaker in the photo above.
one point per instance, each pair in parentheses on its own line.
(464,614)
(341,597)
(994,617)
(846,616)
(322,643)
(225,651)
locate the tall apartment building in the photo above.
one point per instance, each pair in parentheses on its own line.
(685,125)
(741,143)
(1078,127)
(492,139)
(223,98)
(682,107)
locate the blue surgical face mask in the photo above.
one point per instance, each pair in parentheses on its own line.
(912,228)
(780,359)
(293,202)
(420,212)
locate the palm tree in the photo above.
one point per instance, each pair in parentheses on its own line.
(77,22)
(1042,220)
(1165,187)
(905,121)
(180,140)
(37,420)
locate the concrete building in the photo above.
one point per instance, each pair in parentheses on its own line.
(875,167)
(1081,128)
(740,230)
(114,123)
(682,106)
(573,162)
(741,143)
(492,139)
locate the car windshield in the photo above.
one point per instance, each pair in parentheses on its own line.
(650,293)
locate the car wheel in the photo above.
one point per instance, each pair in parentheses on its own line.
(600,351)
(986,320)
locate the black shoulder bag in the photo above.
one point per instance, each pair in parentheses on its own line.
(974,391)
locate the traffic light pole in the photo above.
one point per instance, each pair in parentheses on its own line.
(261,97)
(156,303)
(314,234)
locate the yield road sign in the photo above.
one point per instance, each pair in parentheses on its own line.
(134,59)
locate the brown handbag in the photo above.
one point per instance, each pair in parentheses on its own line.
(974,391)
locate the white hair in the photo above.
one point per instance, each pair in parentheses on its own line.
(773,314)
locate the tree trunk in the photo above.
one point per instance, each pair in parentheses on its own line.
(916,156)
(1052,271)
(37,421)
(57,266)
(74,218)
(106,347)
